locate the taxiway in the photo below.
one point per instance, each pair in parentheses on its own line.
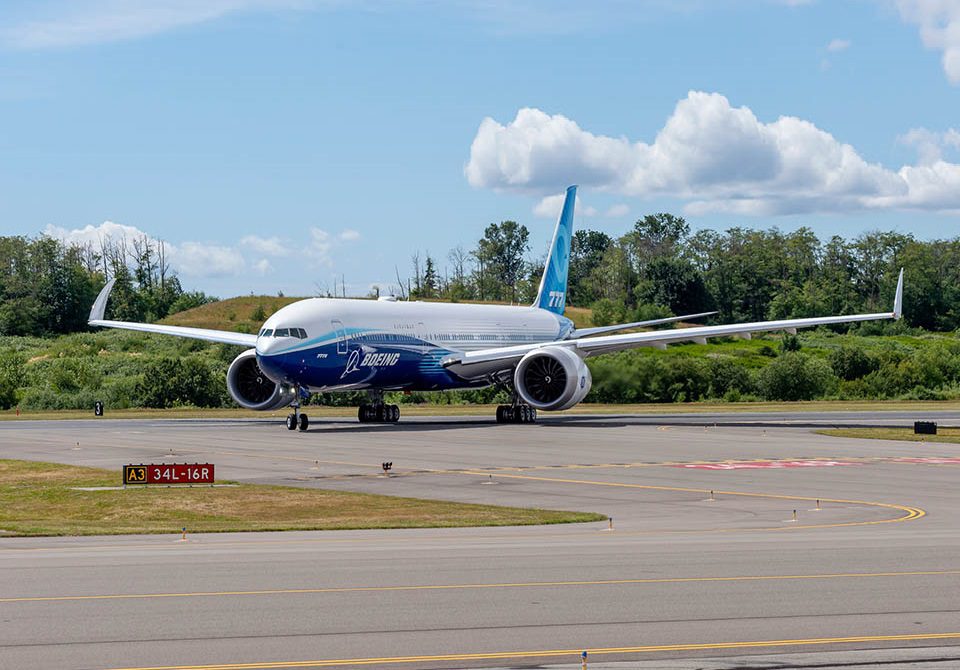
(687,578)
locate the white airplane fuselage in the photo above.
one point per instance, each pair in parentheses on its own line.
(339,344)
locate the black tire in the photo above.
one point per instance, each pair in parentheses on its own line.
(291,422)
(499,413)
(304,422)
(394,413)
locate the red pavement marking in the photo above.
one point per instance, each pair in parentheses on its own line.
(766,465)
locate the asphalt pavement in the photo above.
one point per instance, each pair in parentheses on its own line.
(707,565)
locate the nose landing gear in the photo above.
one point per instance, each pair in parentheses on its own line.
(297,420)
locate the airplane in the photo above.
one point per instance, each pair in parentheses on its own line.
(536,353)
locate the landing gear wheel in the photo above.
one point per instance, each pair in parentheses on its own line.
(304,422)
(291,422)
(516,414)
(393,413)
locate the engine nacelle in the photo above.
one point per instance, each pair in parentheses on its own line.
(552,378)
(252,389)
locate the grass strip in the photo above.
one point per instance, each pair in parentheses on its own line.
(949,435)
(41,499)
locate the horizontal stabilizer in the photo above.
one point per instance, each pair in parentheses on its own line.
(587,332)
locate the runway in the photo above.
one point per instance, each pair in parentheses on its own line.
(706,565)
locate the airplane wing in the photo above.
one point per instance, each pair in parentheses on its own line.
(587,332)
(483,362)
(222,336)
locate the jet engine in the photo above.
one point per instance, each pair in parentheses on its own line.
(252,389)
(552,378)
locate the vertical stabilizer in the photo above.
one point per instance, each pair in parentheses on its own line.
(553,285)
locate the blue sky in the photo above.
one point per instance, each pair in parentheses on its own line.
(279,144)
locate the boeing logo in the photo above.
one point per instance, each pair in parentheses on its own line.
(354,362)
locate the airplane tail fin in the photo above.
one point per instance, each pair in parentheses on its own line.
(553,285)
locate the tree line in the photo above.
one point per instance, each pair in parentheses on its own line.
(659,267)
(47,286)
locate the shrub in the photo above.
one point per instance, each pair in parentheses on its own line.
(728,378)
(789,342)
(11,376)
(852,362)
(795,376)
(607,312)
(169,382)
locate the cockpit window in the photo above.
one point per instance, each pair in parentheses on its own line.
(299,333)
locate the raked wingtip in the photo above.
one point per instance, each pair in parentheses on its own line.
(898,298)
(100,304)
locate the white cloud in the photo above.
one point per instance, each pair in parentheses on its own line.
(89,234)
(263,266)
(930,144)
(836,45)
(194,259)
(617,211)
(349,235)
(63,23)
(550,207)
(715,156)
(269,246)
(939,22)
(207,260)
(320,246)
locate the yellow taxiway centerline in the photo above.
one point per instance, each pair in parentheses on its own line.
(573,653)
(910,513)
(505,585)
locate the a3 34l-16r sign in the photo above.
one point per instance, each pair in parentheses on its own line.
(168,473)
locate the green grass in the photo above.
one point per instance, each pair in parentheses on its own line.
(233,314)
(949,435)
(40,499)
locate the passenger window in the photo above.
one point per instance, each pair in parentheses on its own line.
(283,332)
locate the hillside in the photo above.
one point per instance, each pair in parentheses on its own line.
(245,314)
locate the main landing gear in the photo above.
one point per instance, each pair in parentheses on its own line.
(518,413)
(376,411)
(297,421)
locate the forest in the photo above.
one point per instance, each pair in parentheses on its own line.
(659,267)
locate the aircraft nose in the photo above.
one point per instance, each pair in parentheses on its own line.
(266,345)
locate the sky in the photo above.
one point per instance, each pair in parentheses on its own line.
(291,145)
